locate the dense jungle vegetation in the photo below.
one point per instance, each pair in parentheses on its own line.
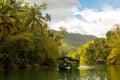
(107,49)
(25,40)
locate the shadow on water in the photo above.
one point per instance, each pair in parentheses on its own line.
(43,74)
(94,72)
(68,75)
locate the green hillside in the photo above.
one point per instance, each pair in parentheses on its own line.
(76,39)
(72,41)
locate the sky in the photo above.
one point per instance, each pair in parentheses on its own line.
(89,17)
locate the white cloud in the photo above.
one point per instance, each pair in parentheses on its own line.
(59,9)
(91,21)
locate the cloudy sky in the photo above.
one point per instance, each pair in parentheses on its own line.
(92,17)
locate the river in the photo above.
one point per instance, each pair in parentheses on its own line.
(94,72)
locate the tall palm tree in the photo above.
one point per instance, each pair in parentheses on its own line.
(35,16)
(9,16)
(17,7)
(6,18)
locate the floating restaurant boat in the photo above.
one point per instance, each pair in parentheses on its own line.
(68,63)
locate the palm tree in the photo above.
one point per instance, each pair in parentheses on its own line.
(17,10)
(6,19)
(35,16)
(10,17)
(47,17)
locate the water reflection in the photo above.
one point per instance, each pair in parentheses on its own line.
(114,72)
(95,72)
(68,75)
(44,74)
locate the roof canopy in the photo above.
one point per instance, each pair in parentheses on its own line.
(68,58)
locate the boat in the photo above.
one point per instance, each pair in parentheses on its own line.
(68,63)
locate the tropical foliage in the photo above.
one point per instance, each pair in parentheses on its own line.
(107,49)
(25,40)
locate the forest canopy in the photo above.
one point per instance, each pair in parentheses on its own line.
(25,40)
(106,49)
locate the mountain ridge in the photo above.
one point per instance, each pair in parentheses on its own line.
(75,39)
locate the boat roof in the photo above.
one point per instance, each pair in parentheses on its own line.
(69,58)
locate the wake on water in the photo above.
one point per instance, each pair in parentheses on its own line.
(85,67)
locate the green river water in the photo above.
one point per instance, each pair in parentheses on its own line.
(94,72)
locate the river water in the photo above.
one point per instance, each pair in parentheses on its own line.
(94,72)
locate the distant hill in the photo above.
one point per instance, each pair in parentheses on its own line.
(76,39)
